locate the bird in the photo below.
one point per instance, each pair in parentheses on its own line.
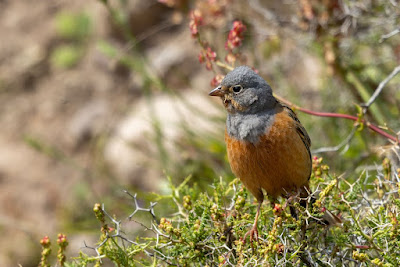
(268,148)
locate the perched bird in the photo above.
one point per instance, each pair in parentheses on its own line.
(267,146)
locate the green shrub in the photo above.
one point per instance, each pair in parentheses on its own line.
(208,228)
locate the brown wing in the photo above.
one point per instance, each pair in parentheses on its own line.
(299,127)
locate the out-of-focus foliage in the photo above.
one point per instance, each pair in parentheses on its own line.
(66,56)
(73,29)
(76,27)
(200,222)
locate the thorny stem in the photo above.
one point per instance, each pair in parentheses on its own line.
(367,237)
(138,208)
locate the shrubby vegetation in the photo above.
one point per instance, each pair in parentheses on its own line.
(208,229)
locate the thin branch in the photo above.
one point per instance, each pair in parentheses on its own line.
(223,65)
(380,87)
(344,143)
(138,208)
(390,34)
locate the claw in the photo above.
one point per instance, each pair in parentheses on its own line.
(252,233)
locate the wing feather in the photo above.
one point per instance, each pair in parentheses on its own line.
(299,127)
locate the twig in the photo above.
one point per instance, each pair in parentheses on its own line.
(380,88)
(390,34)
(223,65)
(345,142)
(138,208)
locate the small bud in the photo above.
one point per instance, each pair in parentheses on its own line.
(196,20)
(201,57)
(217,80)
(210,54)
(98,211)
(187,202)
(240,201)
(45,241)
(221,259)
(377,262)
(277,209)
(325,168)
(97,207)
(230,58)
(360,256)
(208,65)
(62,240)
(279,248)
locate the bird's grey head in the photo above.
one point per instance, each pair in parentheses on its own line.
(244,91)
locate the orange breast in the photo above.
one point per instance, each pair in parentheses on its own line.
(279,163)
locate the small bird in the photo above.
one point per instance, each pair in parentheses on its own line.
(267,146)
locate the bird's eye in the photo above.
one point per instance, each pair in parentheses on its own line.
(237,88)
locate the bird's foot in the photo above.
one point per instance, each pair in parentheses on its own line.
(253,234)
(291,199)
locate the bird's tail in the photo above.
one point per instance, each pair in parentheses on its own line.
(307,201)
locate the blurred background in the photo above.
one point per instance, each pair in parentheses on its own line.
(97,97)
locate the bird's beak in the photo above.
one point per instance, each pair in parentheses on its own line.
(216,92)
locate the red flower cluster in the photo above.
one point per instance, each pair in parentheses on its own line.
(62,239)
(45,241)
(207,56)
(196,20)
(235,36)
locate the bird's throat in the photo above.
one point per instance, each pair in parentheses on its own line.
(249,127)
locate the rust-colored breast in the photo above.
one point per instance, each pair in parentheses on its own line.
(279,163)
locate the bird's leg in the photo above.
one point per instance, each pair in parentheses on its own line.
(289,202)
(291,198)
(253,232)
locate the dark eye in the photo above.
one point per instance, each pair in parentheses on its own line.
(237,88)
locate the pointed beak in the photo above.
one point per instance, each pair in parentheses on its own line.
(216,92)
